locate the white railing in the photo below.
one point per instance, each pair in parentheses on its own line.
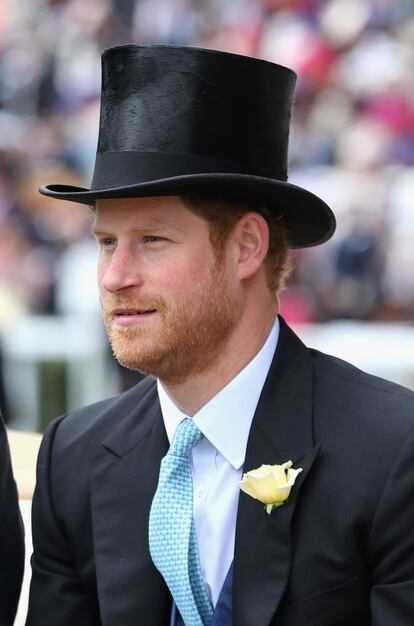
(386,350)
(77,342)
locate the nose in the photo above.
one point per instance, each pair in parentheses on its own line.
(120,271)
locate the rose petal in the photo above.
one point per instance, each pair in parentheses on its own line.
(279,475)
(261,471)
(293,474)
(270,484)
(280,494)
(260,488)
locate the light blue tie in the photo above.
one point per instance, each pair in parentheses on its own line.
(172,537)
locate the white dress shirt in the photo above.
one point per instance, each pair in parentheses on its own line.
(218,459)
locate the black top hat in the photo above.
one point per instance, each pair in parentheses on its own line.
(187,121)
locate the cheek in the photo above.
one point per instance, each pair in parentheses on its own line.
(183,275)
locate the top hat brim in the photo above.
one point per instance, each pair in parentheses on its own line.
(308,219)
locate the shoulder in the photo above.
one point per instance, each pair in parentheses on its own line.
(360,409)
(75,430)
(332,371)
(4,451)
(6,476)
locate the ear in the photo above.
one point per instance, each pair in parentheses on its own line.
(251,238)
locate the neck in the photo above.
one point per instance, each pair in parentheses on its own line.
(241,347)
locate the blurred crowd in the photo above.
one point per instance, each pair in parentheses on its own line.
(352,140)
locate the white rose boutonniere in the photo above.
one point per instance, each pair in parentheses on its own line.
(270,484)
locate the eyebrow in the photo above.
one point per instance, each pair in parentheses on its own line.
(161,226)
(96,231)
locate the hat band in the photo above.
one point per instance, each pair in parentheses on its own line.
(119,169)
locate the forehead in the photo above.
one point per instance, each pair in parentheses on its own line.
(167,210)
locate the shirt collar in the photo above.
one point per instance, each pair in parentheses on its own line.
(226,419)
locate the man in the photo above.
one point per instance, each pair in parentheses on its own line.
(11,536)
(138,516)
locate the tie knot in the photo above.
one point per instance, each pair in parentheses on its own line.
(186,437)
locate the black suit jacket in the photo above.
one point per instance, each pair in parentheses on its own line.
(340,552)
(11,536)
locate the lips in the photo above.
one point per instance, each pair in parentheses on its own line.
(131,312)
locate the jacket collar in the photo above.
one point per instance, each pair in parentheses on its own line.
(124,476)
(281,431)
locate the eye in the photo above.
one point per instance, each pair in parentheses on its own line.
(106,242)
(153,239)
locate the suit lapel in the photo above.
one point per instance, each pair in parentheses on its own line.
(281,431)
(124,476)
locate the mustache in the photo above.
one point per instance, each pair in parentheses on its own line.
(131,302)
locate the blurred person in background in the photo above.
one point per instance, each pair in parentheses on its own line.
(11,536)
(138,516)
(352,140)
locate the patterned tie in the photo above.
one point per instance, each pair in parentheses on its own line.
(172,537)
